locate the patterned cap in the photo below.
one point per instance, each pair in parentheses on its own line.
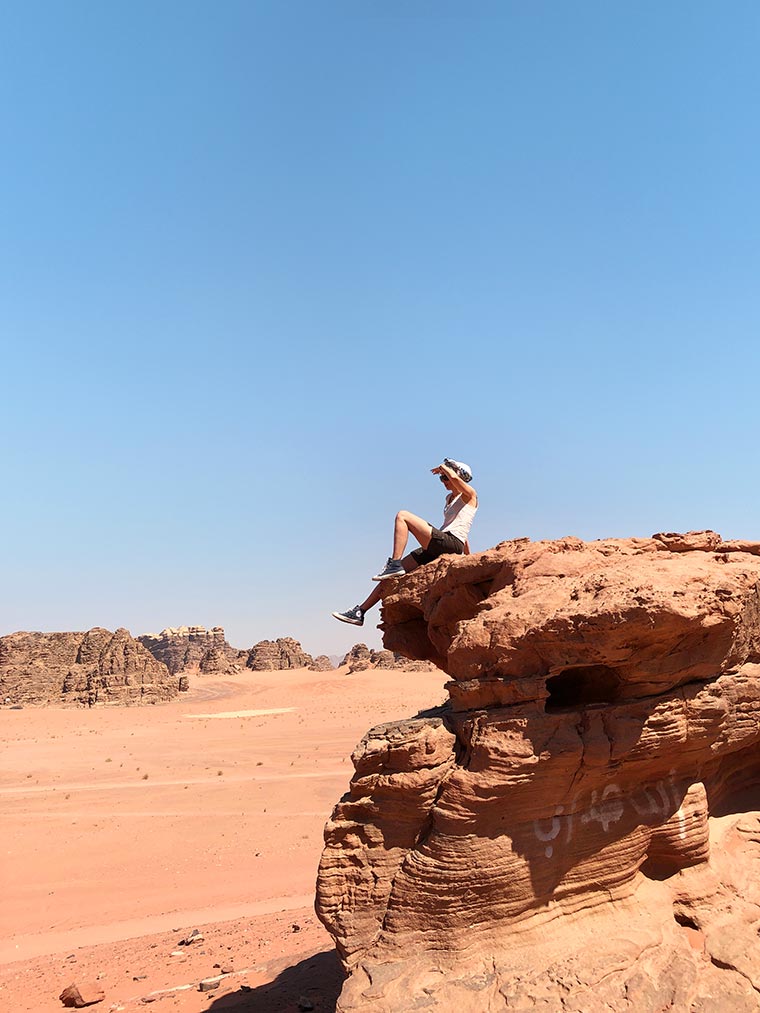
(463,470)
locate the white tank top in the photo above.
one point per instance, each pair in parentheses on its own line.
(457,517)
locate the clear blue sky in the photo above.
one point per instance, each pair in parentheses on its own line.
(263,264)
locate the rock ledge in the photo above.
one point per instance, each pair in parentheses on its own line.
(577,830)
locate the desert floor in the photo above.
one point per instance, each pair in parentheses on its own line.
(123,829)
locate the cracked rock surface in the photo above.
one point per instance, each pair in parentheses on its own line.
(577,829)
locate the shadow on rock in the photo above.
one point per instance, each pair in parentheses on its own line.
(317,979)
(439,711)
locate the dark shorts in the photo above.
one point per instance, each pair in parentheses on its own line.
(441,544)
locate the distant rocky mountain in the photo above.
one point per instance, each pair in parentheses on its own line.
(360,657)
(322,664)
(276,655)
(94,667)
(194,649)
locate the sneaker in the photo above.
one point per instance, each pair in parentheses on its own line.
(355,616)
(392,568)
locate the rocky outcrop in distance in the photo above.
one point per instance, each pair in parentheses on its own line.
(577,829)
(96,667)
(322,664)
(206,652)
(193,649)
(100,666)
(279,655)
(360,658)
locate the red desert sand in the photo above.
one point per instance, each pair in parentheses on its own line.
(125,829)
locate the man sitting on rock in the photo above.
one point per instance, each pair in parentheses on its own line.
(458,512)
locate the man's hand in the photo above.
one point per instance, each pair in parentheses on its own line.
(466,491)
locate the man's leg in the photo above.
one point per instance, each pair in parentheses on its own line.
(355,616)
(405,523)
(408,562)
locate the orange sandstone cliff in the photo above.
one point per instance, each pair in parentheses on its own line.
(577,829)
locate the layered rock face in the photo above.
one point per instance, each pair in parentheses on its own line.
(97,667)
(192,648)
(577,829)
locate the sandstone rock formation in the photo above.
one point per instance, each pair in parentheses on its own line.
(321,664)
(578,829)
(196,649)
(275,655)
(360,658)
(97,667)
(193,649)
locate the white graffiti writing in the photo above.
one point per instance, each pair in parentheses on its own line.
(607,807)
(553,831)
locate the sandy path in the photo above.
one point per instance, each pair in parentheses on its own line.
(120,825)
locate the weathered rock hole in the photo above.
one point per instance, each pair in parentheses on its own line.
(659,869)
(686,921)
(585,684)
(736,787)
